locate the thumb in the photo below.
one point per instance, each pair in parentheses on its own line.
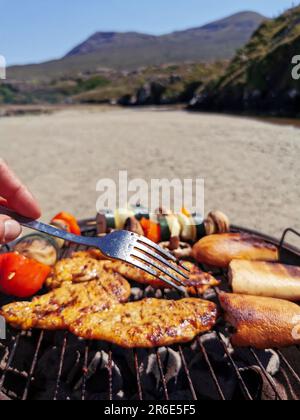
(9,229)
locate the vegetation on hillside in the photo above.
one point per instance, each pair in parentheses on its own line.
(259,78)
(152,85)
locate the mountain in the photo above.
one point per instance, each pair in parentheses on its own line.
(259,78)
(102,40)
(127,51)
(193,44)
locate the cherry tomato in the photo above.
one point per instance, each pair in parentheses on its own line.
(70,220)
(20,276)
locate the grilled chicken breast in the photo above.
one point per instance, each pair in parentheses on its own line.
(76,270)
(220,250)
(61,307)
(262,322)
(149,323)
(265,279)
(197,283)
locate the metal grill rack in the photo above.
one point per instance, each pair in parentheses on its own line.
(19,368)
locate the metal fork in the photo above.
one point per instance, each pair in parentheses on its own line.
(125,246)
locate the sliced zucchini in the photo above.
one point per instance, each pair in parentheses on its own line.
(164,228)
(188,228)
(174,225)
(121,215)
(141,213)
(200,226)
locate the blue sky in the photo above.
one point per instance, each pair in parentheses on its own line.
(38,30)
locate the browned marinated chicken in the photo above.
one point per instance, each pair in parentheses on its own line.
(76,270)
(149,323)
(197,283)
(61,307)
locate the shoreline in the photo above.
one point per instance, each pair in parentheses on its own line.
(36,110)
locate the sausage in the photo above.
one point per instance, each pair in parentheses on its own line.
(261,322)
(265,279)
(219,250)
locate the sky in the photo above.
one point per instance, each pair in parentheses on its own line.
(38,30)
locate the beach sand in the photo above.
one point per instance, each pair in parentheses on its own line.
(251,168)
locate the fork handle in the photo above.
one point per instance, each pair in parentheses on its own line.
(47,229)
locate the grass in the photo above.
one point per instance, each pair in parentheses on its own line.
(178,83)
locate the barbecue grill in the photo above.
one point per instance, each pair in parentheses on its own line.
(43,365)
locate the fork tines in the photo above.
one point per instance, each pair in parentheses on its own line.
(137,263)
(154,260)
(163,252)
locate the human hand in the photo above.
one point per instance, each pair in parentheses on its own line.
(16,196)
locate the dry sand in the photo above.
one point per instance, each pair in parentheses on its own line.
(251,168)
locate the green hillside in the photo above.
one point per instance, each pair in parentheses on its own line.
(259,78)
(166,84)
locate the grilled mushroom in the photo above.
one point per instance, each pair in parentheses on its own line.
(216,222)
(38,247)
(133,225)
(183,251)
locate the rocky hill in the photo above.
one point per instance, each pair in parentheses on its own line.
(259,78)
(167,84)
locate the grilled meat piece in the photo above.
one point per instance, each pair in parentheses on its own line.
(265,279)
(220,250)
(60,308)
(261,322)
(91,253)
(197,283)
(149,323)
(76,270)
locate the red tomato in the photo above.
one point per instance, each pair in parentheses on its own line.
(70,220)
(152,230)
(1,259)
(21,276)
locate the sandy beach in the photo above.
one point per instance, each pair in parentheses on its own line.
(251,168)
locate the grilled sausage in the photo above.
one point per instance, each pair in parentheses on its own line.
(265,279)
(220,250)
(261,322)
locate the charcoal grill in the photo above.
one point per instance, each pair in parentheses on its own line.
(41,365)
